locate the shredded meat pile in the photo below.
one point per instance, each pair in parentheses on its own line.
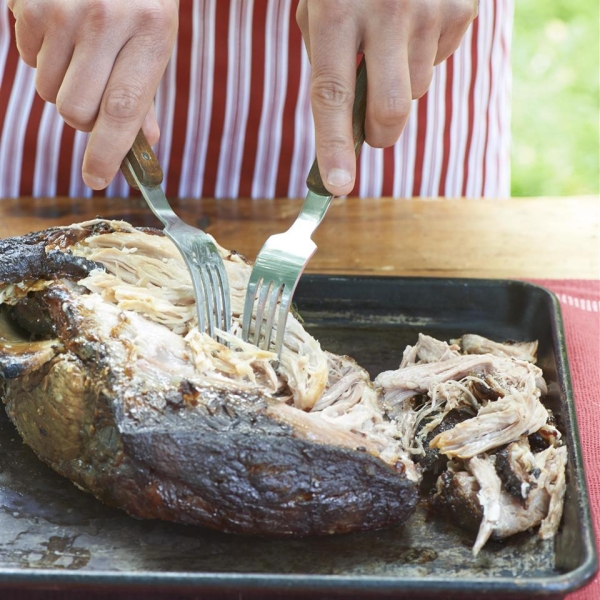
(467,412)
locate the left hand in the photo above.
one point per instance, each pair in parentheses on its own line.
(402,41)
(101,62)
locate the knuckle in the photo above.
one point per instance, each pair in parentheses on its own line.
(302,15)
(95,163)
(100,14)
(334,145)
(158,22)
(419,90)
(46,90)
(123,102)
(61,18)
(429,19)
(393,9)
(334,9)
(465,11)
(471,10)
(335,15)
(76,115)
(159,16)
(29,60)
(156,26)
(430,11)
(392,109)
(382,139)
(28,38)
(331,92)
(30,13)
(28,55)
(420,84)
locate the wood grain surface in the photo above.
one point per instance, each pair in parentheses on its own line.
(513,238)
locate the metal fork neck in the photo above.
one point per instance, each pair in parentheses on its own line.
(154,197)
(312,213)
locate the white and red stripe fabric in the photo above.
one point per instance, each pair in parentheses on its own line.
(235,117)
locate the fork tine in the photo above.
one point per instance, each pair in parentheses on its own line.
(248,309)
(222,301)
(223,288)
(208,300)
(262,295)
(284,308)
(216,296)
(200,308)
(227,310)
(272,304)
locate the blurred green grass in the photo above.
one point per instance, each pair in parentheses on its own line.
(556,98)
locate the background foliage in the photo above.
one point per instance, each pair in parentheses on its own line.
(556,98)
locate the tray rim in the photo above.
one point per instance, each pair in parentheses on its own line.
(384,585)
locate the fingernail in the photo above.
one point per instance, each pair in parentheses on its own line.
(338,177)
(96,183)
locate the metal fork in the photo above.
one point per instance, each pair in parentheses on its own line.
(209,278)
(284,256)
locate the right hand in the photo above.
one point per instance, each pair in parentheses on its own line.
(402,40)
(101,62)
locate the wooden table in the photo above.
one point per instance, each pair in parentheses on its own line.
(551,238)
(517,238)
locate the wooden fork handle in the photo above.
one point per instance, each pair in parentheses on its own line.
(359,109)
(144,163)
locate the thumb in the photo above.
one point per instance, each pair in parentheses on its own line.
(150,127)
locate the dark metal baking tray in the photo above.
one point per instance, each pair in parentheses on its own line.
(54,535)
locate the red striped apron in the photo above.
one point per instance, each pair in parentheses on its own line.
(235,117)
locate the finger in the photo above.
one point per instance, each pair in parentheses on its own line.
(97,45)
(125,103)
(150,126)
(80,95)
(389,91)
(29,36)
(52,63)
(458,15)
(302,20)
(421,60)
(333,46)
(31,13)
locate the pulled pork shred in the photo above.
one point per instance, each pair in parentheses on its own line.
(503,514)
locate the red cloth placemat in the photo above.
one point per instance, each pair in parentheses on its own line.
(580,303)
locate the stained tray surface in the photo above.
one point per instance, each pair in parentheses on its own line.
(53,533)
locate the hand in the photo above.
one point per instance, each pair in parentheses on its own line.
(100,61)
(402,41)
